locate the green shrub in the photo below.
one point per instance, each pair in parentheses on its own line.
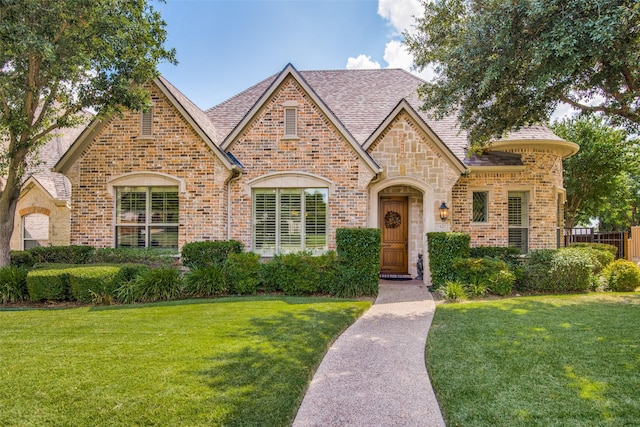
(535,277)
(22,259)
(87,282)
(205,282)
(242,272)
(622,276)
(49,284)
(154,258)
(600,258)
(158,284)
(128,292)
(444,247)
(127,273)
(329,268)
(358,260)
(599,246)
(73,254)
(477,270)
(202,254)
(293,274)
(13,284)
(453,291)
(570,270)
(502,283)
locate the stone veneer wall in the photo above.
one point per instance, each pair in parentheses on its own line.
(542,178)
(35,200)
(404,151)
(175,149)
(319,149)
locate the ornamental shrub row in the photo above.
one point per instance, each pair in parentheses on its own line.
(89,255)
(444,248)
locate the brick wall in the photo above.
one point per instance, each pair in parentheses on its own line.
(542,178)
(175,149)
(319,149)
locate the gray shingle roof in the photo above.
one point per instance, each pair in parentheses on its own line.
(361,100)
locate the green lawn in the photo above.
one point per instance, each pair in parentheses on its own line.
(230,361)
(538,361)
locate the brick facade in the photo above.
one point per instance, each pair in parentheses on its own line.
(175,149)
(541,178)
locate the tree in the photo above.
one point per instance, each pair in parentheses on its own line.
(504,64)
(597,177)
(58,58)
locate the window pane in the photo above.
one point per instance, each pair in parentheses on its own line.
(163,237)
(264,221)
(131,205)
(164,205)
(130,237)
(518,239)
(518,221)
(480,199)
(315,201)
(290,221)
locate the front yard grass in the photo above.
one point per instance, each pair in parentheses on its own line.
(538,361)
(230,361)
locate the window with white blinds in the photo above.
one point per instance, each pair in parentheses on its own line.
(290,122)
(289,220)
(480,206)
(147,217)
(518,220)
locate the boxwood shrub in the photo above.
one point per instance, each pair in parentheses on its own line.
(74,254)
(559,270)
(141,256)
(22,259)
(359,261)
(444,248)
(202,254)
(622,276)
(99,279)
(242,273)
(49,284)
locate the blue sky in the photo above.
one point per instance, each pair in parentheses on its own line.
(226,46)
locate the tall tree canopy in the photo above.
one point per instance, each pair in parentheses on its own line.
(58,57)
(504,64)
(598,179)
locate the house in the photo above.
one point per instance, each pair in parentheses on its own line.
(291,159)
(43,212)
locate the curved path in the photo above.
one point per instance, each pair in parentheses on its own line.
(375,374)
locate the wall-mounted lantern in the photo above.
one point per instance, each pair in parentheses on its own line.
(444,211)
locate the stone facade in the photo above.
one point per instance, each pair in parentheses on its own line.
(35,199)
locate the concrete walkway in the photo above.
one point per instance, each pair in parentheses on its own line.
(375,373)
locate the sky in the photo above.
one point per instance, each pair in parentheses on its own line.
(226,46)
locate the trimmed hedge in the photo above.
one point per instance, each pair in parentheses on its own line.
(73,254)
(444,248)
(203,254)
(83,280)
(302,273)
(146,256)
(242,272)
(599,246)
(558,270)
(359,261)
(22,259)
(49,284)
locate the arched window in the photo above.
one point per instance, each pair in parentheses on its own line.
(35,230)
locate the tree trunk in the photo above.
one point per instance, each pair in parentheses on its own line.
(7,214)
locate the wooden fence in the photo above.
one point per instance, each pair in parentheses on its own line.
(619,239)
(634,244)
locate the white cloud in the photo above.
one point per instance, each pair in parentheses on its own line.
(362,62)
(400,13)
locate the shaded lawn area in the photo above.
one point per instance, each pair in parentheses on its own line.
(538,361)
(230,361)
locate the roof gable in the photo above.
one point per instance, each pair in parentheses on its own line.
(196,118)
(274,85)
(404,105)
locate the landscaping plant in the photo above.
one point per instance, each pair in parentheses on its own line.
(622,276)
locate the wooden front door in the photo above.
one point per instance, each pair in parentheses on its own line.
(395,235)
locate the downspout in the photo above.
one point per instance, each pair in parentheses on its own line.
(237,173)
